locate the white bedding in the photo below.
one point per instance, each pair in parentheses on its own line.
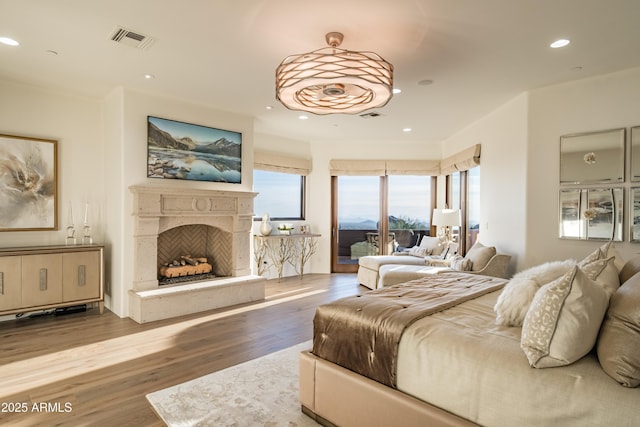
(461,361)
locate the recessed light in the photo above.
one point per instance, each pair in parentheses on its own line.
(269,107)
(52,52)
(9,41)
(303,117)
(559,43)
(149,76)
(425,82)
(396,90)
(406,130)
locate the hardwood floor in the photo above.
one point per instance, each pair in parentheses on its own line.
(87,369)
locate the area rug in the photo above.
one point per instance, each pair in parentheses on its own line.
(260,392)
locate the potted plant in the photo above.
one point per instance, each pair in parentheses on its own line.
(285,228)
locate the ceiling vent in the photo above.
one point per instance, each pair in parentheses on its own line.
(369,115)
(131,38)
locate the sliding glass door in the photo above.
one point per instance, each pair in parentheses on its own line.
(356,217)
(377,215)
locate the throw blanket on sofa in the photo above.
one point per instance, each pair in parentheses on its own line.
(362,333)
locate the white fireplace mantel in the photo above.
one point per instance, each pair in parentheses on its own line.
(157,209)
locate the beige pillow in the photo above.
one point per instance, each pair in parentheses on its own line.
(419,252)
(629,269)
(605,273)
(459,263)
(433,244)
(480,255)
(619,341)
(563,321)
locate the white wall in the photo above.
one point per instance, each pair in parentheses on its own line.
(503,164)
(603,102)
(76,123)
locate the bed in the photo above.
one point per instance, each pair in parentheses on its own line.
(454,366)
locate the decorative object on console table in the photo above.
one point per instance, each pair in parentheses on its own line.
(445,220)
(265,225)
(285,228)
(28,193)
(71,229)
(86,229)
(278,250)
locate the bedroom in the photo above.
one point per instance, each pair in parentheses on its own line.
(99,158)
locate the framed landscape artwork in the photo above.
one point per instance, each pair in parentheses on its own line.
(178,150)
(28,184)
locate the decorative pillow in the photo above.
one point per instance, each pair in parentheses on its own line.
(480,255)
(629,269)
(419,252)
(459,263)
(516,297)
(563,321)
(605,251)
(605,273)
(619,341)
(433,244)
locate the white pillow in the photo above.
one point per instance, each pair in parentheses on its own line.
(516,297)
(563,321)
(433,244)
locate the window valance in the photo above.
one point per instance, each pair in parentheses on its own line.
(384,167)
(462,161)
(358,167)
(273,162)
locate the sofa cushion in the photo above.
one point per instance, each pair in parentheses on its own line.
(563,321)
(480,255)
(619,341)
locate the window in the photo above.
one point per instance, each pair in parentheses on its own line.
(281,195)
(464,194)
(409,207)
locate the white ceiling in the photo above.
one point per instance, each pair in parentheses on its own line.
(223,53)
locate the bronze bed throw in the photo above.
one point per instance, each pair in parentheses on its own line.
(362,332)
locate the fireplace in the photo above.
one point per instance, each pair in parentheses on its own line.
(173,223)
(193,252)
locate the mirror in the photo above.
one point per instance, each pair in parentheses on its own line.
(635,153)
(591,214)
(634,222)
(592,157)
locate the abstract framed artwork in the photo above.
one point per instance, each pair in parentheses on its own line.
(178,150)
(28,184)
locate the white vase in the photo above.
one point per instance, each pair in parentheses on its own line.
(265,225)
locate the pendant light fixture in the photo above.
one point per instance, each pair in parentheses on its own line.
(333,80)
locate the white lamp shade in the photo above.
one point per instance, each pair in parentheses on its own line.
(447,217)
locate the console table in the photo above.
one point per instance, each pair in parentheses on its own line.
(44,277)
(278,249)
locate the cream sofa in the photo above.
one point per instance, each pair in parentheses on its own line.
(383,270)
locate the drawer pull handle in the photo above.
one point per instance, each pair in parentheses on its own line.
(82,275)
(1,282)
(43,279)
